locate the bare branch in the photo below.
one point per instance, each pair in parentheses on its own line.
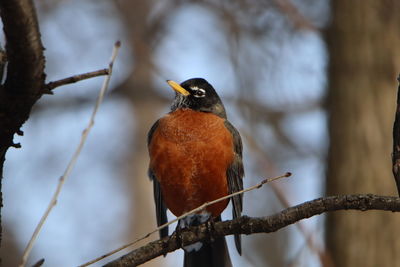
(76,78)
(195,210)
(73,160)
(247,225)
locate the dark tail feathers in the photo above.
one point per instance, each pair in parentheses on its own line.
(213,254)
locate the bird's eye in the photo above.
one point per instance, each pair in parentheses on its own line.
(199,92)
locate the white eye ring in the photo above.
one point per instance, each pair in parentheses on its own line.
(198,92)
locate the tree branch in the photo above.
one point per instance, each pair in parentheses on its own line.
(247,225)
(76,78)
(193,211)
(396,142)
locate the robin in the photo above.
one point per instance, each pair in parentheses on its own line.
(195,157)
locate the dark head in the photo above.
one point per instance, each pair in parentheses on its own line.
(197,94)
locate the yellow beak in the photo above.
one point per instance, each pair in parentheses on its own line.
(178,88)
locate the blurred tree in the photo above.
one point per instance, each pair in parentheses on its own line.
(257,44)
(364,41)
(142,32)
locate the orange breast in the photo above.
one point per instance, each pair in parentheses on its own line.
(189,153)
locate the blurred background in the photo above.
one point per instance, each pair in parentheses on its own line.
(310,85)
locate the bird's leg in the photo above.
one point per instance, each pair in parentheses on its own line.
(210,224)
(182,226)
(188,221)
(178,233)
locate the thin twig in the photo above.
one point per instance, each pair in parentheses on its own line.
(73,160)
(76,78)
(206,204)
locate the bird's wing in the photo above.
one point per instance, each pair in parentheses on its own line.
(161,209)
(235,174)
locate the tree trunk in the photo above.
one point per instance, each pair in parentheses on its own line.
(25,75)
(364,41)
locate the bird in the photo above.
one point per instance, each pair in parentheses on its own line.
(196,157)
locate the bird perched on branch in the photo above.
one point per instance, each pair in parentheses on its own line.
(196,157)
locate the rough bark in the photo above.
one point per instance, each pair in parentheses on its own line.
(364,41)
(247,225)
(25,71)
